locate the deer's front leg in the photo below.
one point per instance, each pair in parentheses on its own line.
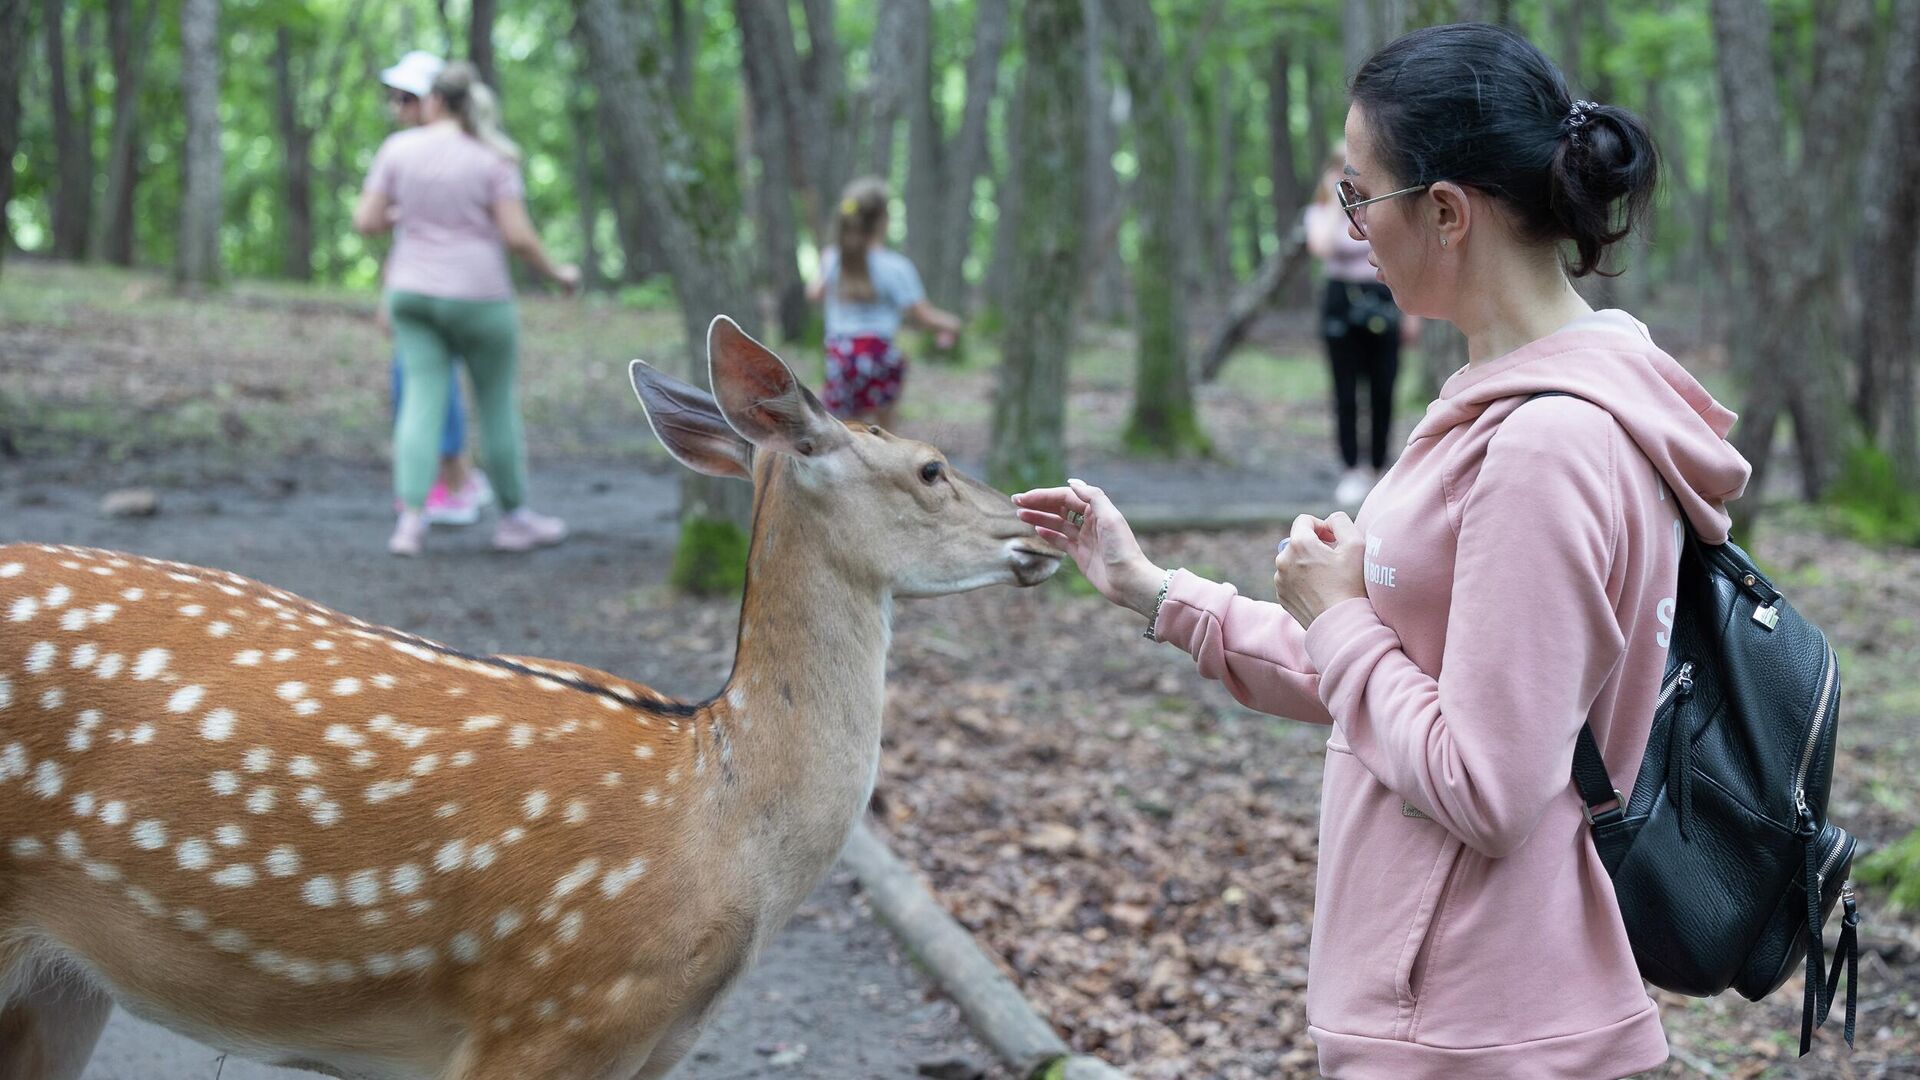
(47,1030)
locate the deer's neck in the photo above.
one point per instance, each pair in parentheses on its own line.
(802,739)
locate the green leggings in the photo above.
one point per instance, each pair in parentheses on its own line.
(429,331)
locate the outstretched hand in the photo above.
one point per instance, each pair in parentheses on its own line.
(1080,520)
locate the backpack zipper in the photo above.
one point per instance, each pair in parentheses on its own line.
(1839,845)
(1813,735)
(1682,677)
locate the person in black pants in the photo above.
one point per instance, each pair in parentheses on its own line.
(1363,331)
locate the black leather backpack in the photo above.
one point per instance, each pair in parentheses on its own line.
(1723,861)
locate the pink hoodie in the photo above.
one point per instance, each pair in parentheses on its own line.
(1520,578)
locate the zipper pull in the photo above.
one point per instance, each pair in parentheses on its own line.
(1807,827)
(1684,688)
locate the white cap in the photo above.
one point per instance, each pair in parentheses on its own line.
(414,73)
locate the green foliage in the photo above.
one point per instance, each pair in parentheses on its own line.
(1871,503)
(1896,870)
(711,559)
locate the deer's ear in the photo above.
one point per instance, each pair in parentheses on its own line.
(689,424)
(762,400)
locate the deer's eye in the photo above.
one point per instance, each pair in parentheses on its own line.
(930,472)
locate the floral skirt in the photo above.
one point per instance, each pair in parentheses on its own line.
(864,374)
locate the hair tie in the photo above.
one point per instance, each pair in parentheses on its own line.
(849,206)
(1577,117)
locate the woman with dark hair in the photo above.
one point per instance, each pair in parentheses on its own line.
(1508,581)
(452,190)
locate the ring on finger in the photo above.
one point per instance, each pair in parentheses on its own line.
(1076,517)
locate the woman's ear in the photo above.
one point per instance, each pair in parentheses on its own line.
(1451,212)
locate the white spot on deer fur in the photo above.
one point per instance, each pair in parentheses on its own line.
(23,609)
(375,918)
(282,861)
(257,760)
(418,958)
(542,957)
(133,594)
(362,759)
(346,687)
(446,810)
(281,656)
(643,751)
(513,836)
(418,908)
(13,761)
(327,814)
(70,846)
(219,629)
(343,735)
(148,903)
(141,735)
(425,764)
(380,722)
(320,891)
(311,795)
(341,971)
(576,811)
(306,707)
(384,681)
(620,878)
(406,880)
(576,877)
(27,847)
(84,654)
(53,699)
(482,856)
(47,779)
(521,736)
(291,691)
(380,965)
(113,812)
(506,923)
(100,871)
(109,666)
(230,836)
(11,569)
(193,854)
(232,941)
(6,692)
(192,611)
(186,698)
(535,804)
(381,790)
(104,613)
(150,664)
(465,947)
(79,739)
(74,620)
(650,796)
(570,926)
(150,835)
(363,888)
(462,758)
(247,658)
(192,919)
(224,783)
(303,766)
(40,657)
(237,876)
(261,801)
(451,856)
(57,596)
(479,723)
(83,804)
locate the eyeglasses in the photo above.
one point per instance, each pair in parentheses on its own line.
(1350,200)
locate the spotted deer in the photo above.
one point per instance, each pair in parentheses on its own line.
(323,843)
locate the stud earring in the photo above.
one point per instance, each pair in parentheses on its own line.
(1443,241)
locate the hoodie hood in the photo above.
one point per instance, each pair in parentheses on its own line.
(1609,359)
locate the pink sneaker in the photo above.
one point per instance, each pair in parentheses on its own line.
(453,508)
(524,530)
(409,534)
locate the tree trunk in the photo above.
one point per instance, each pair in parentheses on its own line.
(13,50)
(1889,241)
(895,43)
(1029,405)
(826,119)
(964,157)
(1778,245)
(1225,186)
(777,235)
(587,182)
(480,44)
(129,45)
(296,147)
(200,208)
(926,147)
(1163,420)
(709,276)
(1106,289)
(72,194)
(680,74)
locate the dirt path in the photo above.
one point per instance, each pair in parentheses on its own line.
(832,997)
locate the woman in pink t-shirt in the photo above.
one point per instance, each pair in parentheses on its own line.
(452,193)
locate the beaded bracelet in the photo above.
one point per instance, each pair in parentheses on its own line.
(1154,619)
